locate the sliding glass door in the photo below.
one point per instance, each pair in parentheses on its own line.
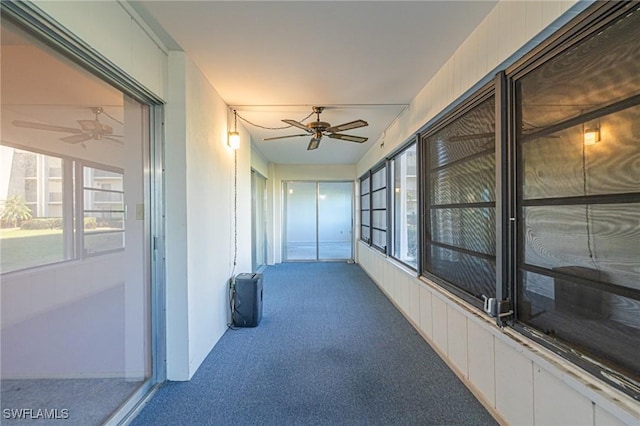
(258,221)
(318,221)
(76,214)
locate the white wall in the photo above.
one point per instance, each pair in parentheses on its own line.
(521,382)
(511,28)
(114,30)
(200,216)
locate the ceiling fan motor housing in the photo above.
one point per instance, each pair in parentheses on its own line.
(318,126)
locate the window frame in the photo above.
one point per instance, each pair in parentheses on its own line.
(597,17)
(385,190)
(451,116)
(413,142)
(365,177)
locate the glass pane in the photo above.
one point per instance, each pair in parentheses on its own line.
(35,228)
(379,179)
(602,324)
(470,135)
(600,71)
(469,228)
(364,186)
(103,221)
(258,220)
(462,163)
(561,165)
(76,335)
(469,182)
(300,227)
(473,274)
(379,238)
(364,218)
(379,199)
(364,202)
(98,242)
(600,238)
(335,220)
(379,219)
(405,207)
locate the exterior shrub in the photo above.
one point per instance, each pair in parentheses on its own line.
(42,223)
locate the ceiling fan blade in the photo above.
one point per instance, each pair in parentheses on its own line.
(38,126)
(283,137)
(347,126)
(349,138)
(299,125)
(114,139)
(82,137)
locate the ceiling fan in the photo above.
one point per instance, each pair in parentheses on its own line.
(321,128)
(89,129)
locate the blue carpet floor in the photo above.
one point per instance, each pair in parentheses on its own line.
(330,350)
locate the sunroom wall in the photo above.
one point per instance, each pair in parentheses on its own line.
(521,382)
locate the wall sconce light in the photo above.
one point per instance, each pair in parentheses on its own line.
(233,138)
(591,135)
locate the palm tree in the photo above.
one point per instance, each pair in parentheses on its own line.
(15,210)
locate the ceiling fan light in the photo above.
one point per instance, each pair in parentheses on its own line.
(233,140)
(313,144)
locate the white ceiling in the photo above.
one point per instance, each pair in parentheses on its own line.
(272,60)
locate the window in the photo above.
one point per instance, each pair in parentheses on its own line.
(578,200)
(38,212)
(379,209)
(32,216)
(405,207)
(365,208)
(104,211)
(373,208)
(459,182)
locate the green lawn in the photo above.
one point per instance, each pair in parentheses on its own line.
(21,249)
(25,248)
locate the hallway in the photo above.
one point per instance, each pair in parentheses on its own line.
(331,349)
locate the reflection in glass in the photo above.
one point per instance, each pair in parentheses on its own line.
(335,212)
(76,329)
(300,242)
(579,202)
(461,195)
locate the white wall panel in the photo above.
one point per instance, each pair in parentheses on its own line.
(440,328)
(514,385)
(555,403)
(603,418)
(414,303)
(480,347)
(457,339)
(426,311)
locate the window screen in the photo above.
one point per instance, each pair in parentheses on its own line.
(460,245)
(579,196)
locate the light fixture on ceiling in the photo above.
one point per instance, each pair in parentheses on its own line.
(233,138)
(591,135)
